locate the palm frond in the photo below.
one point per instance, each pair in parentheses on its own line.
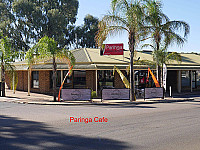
(173,38)
(148,45)
(126,16)
(109,26)
(66,56)
(118,6)
(45,50)
(178,26)
(174,56)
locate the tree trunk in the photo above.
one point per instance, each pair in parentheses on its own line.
(158,68)
(132,87)
(54,79)
(132,48)
(29,81)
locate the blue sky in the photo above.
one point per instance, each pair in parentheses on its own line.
(183,10)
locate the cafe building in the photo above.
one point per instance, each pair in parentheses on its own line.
(95,71)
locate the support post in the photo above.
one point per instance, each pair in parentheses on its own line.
(29,82)
(96,82)
(61,75)
(13,82)
(191,81)
(179,81)
(170,91)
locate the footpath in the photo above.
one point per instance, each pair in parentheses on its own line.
(41,99)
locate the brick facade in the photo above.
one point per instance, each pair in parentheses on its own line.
(7,80)
(44,82)
(25,79)
(22,80)
(91,79)
(118,83)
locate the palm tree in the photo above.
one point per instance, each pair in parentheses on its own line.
(46,49)
(7,57)
(163,30)
(126,16)
(162,56)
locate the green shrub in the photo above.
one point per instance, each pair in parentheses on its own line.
(93,94)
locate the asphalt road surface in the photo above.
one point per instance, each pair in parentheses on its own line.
(166,126)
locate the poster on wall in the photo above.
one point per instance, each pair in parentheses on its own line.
(112,49)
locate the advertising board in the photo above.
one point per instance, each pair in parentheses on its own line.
(153,93)
(76,94)
(115,94)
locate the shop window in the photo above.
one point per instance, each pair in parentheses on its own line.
(68,84)
(58,79)
(105,79)
(185,78)
(35,79)
(198,77)
(79,79)
(194,79)
(141,79)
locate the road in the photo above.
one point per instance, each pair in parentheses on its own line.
(166,126)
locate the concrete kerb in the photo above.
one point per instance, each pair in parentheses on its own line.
(23,101)
(41,99)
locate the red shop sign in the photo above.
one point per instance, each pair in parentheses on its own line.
(113,49)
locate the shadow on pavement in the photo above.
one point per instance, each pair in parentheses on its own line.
(16,134)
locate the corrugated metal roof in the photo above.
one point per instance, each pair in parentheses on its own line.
(80,55)
(89,58)
(61,67)
(97,58)
(21,67)
(187,58)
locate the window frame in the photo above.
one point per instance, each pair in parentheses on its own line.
(35,80)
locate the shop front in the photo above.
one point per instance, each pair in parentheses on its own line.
(94,71)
